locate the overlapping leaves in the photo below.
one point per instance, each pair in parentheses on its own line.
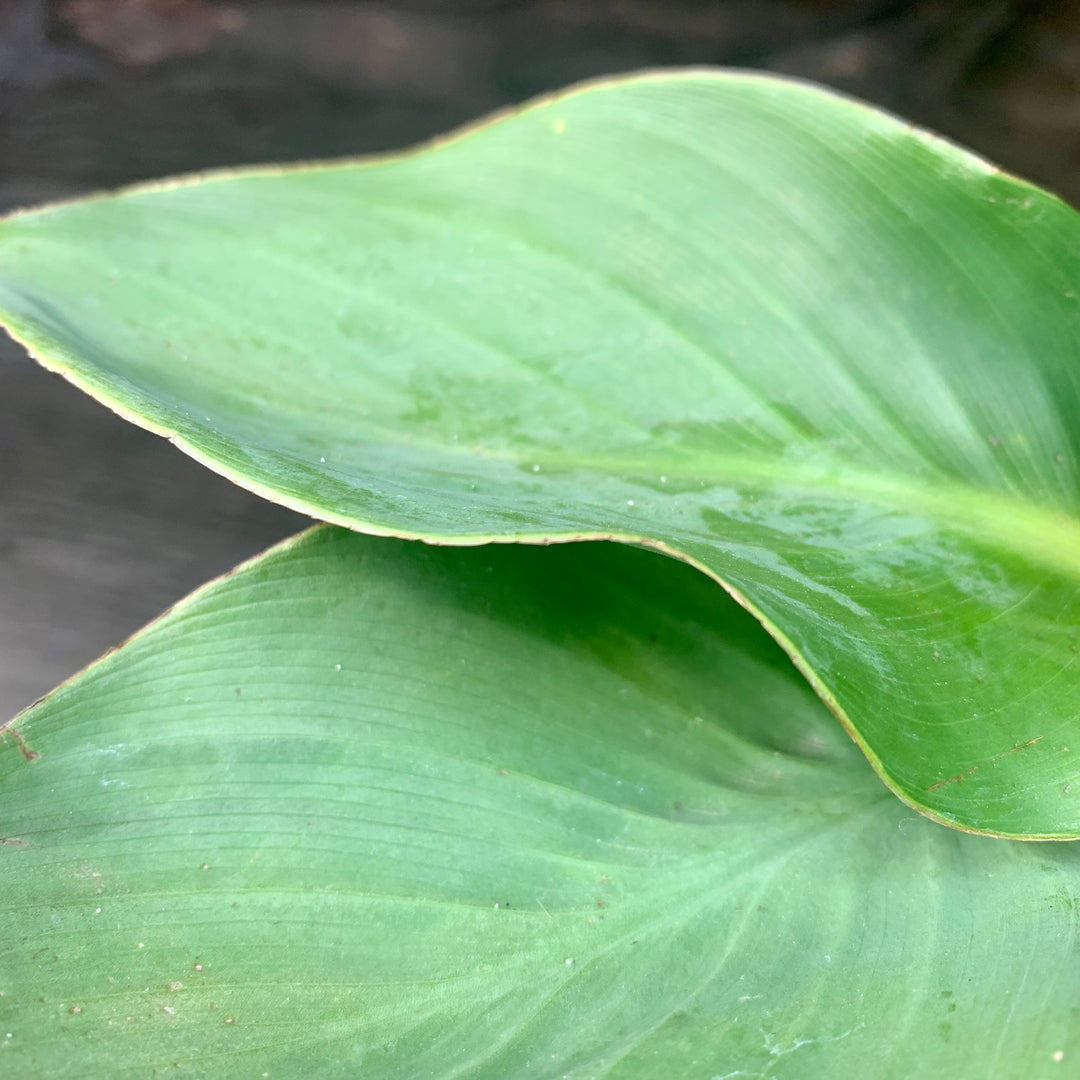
(825,357)
(369,807)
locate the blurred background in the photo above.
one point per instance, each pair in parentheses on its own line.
(102,525)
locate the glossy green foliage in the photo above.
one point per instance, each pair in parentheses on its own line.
(369,808)
(826,358)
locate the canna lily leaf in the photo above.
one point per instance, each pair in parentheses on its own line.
(825,358)
(371,808)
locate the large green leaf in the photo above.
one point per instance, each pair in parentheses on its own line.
(368,808)
(826,358)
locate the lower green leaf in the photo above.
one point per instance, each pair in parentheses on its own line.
(370,808)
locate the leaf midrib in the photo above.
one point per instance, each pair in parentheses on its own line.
(1046,536)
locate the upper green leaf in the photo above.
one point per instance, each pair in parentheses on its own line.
(826,358)
(372,809)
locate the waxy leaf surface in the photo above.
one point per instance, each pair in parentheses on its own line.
(826,358)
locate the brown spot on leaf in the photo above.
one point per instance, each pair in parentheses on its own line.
(1022,746)
(16,734)
(958,779)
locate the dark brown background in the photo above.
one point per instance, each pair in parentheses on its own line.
(101,525)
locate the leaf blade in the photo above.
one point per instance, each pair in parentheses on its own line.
(304,876)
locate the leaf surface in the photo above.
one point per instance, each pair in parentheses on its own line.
(371,808)
(824,357)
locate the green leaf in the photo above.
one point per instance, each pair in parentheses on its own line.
(828,359)
(372,808)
